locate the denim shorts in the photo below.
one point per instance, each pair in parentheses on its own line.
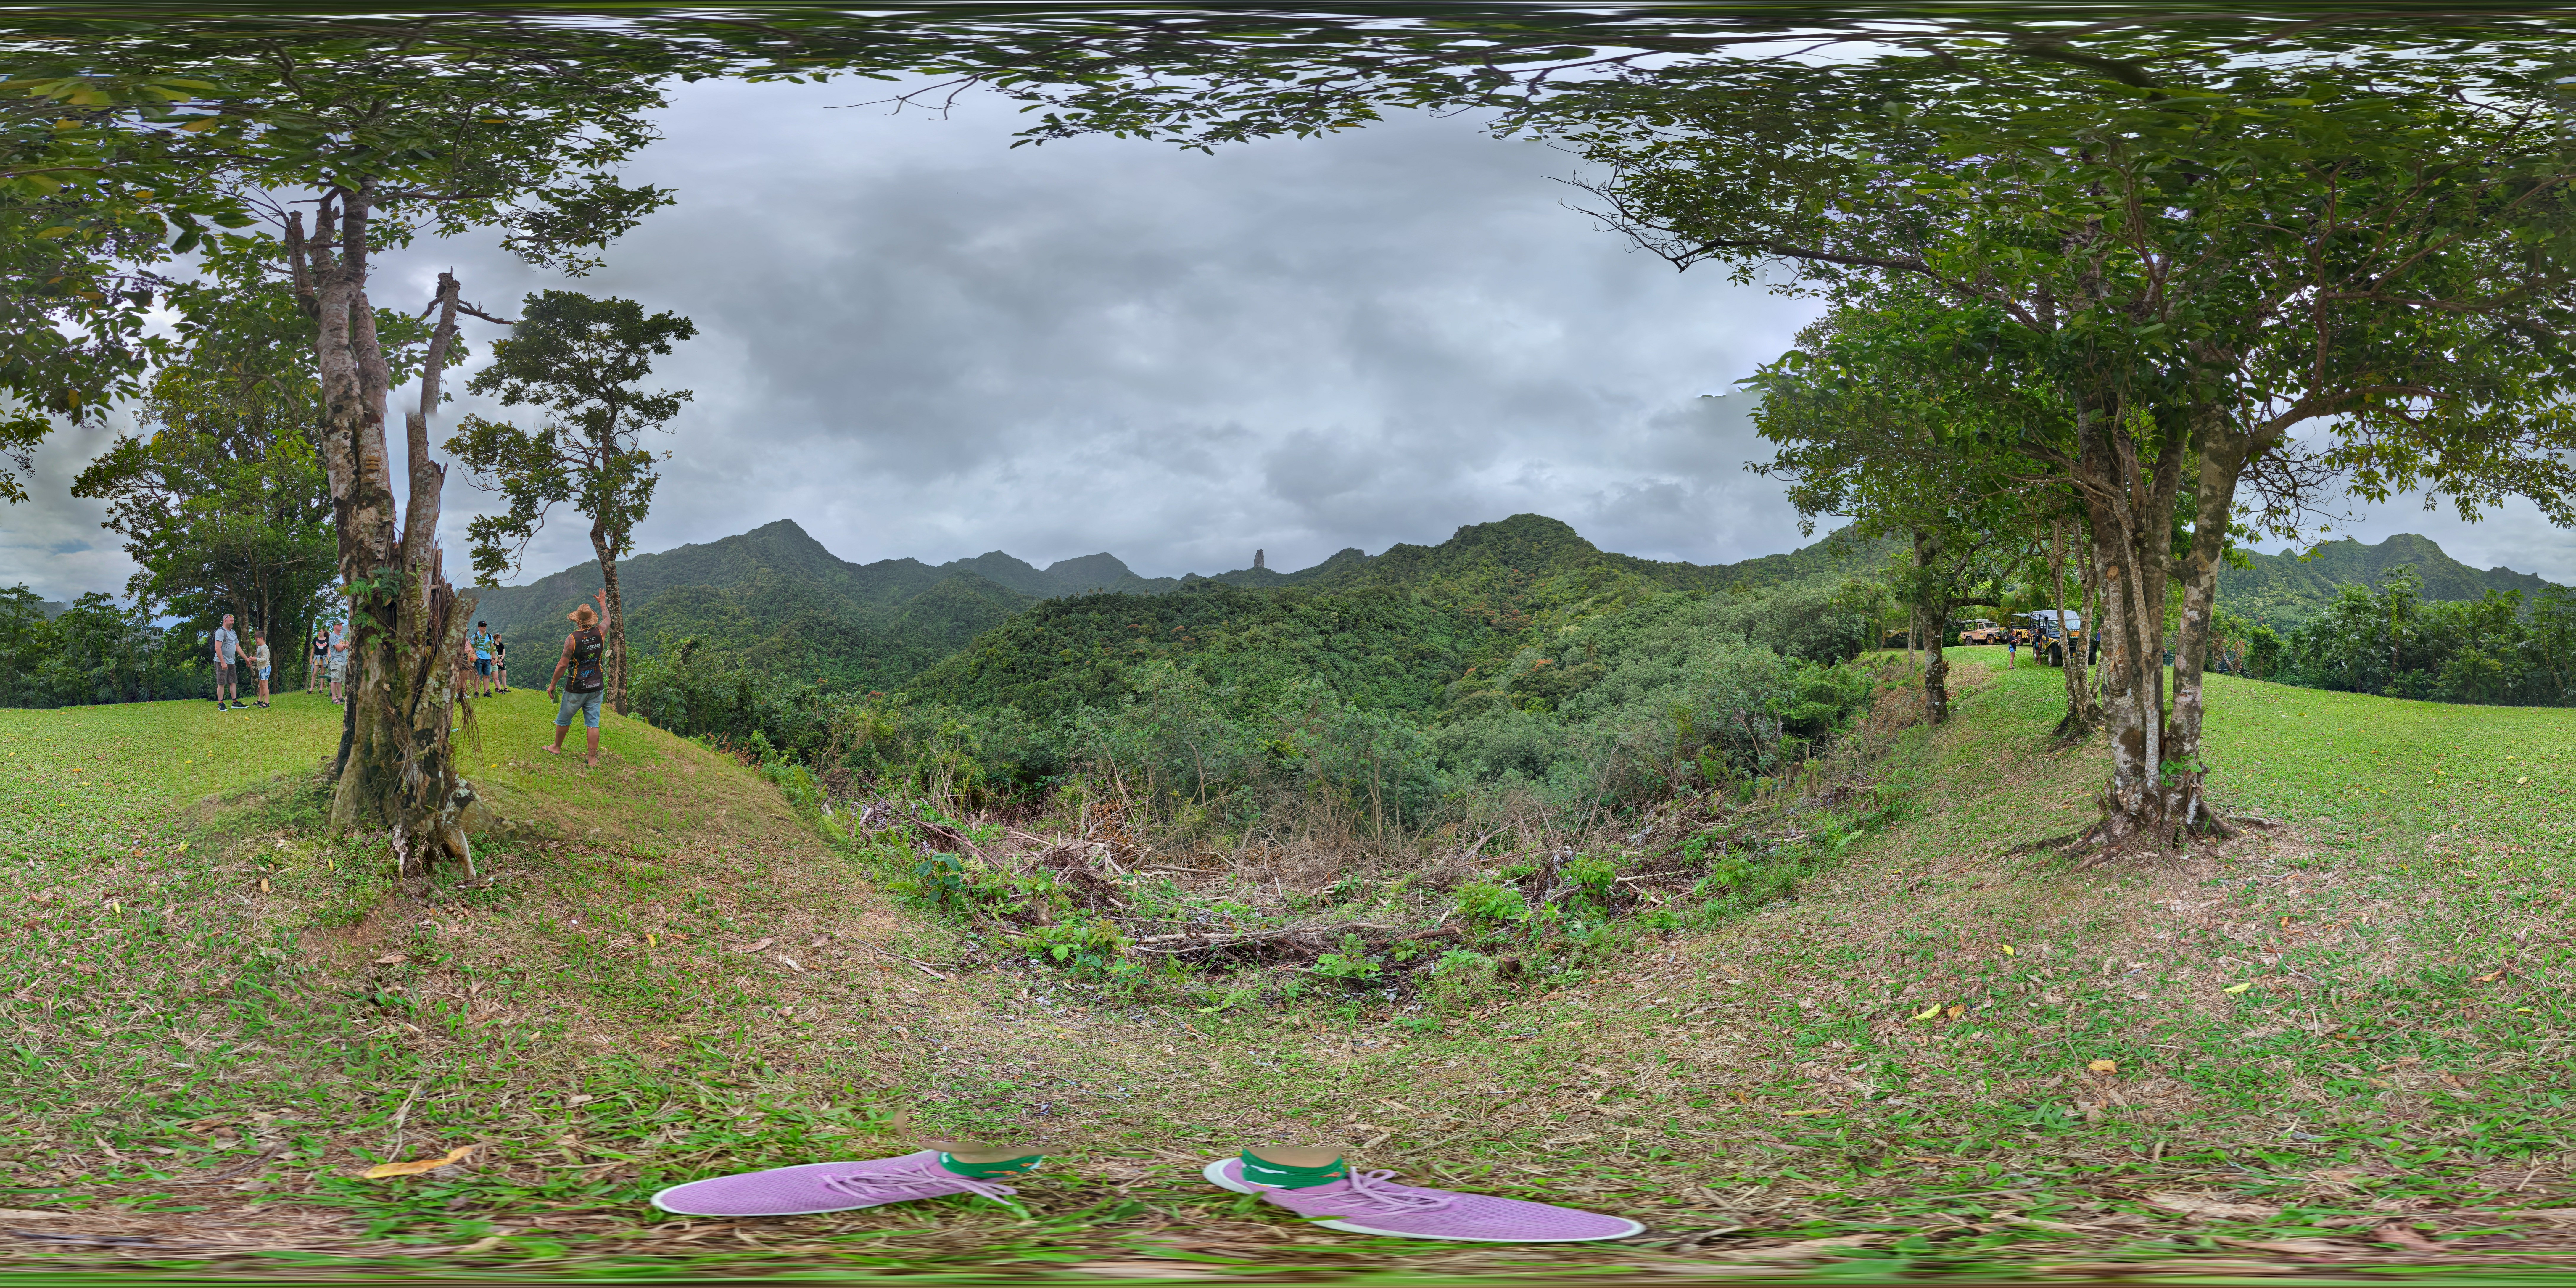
(585,703)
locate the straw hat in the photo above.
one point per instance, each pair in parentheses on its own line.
(585,615)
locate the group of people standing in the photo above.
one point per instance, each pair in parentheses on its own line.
(241,667)
(482,666)
(238,666)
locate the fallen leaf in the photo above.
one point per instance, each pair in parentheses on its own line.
(753,948)
(1929,1011)
(2404,1236)
(30,1214)
(183,847)
(263,885)
(650,941)
(417,1166)
(2008,951)
(392,959)
(2103,1066)
(2239,988)
(2205,1206)
(479,1246)
(791,962)
(1807,1113)
(2491,977)
(1955,1012)
(2524,779)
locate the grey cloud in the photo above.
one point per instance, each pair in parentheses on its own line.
(916,340)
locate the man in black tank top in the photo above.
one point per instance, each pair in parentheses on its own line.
(585,652)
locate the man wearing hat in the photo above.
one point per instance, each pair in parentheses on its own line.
(585,651)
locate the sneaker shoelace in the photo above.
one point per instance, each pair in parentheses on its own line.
(919,1182)
(1378,1191)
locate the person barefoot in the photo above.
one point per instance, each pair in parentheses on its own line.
(582,651)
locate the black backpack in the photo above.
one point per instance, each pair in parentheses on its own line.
(587,646)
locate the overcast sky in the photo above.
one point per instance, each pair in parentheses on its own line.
(915,340)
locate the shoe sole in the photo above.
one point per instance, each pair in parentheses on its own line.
(656,1201)
(1215,1173)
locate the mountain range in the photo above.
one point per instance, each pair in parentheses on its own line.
(775,595)
(2284,590)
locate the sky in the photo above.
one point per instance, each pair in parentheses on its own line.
(915,340)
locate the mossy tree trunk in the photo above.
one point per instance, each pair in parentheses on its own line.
(395,769)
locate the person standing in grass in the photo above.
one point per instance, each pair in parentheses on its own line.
(338,667)
(482,660)
(259,664)
(318,660)
(501,662)
(227,663)
(582,651)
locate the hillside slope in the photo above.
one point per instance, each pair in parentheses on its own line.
(2284,590)
(778,595)
(1408,630)
(1949,1055)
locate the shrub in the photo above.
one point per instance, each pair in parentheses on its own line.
(1483,901)
(1592,878)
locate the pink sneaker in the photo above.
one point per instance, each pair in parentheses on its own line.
(1369,1203)
(824,1187)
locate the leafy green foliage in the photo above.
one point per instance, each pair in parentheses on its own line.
(1348,968)
(1377,648)
(1486,902)
(578,360)
(223,497)
(2389,640)
(2284,590)
(91,651)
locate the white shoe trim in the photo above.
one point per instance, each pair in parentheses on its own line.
(658,1195)
(656,1201)
(1349,1227)
(1216,1175)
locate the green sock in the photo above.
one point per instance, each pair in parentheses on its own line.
(1261,1171)
(979,1171)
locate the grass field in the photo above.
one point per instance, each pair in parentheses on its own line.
(1946,1056)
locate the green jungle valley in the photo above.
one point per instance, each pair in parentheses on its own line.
(1692,920)
(2065,852)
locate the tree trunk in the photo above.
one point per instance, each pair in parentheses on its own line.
(2224,451)
(2129,501)
(395,769)
(612,667)
(1928,631)
(2082,716)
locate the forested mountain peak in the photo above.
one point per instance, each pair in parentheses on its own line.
(2286,589)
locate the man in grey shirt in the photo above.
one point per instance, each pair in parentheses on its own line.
(227,663)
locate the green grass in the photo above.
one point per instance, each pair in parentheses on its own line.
(272,1001)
